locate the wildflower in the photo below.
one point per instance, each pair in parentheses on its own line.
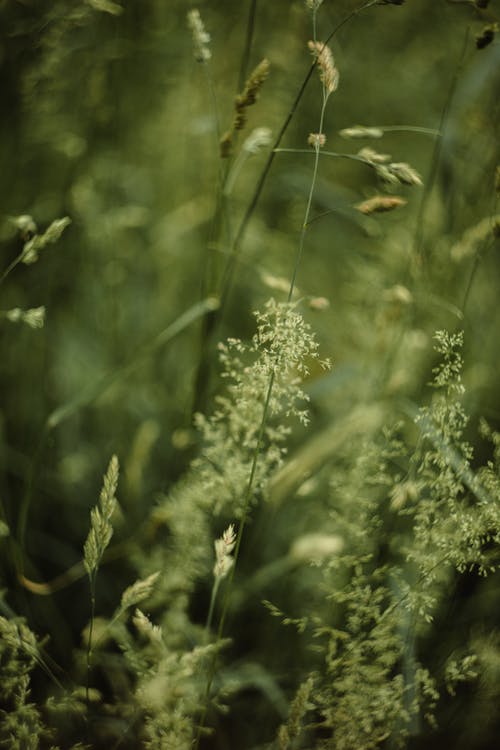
(328,73)
(201,38)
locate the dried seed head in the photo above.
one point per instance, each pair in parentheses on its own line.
(319,304)
(316,140)
(225,144)
(380,203)
(313,4)
(223,548)
(328,73)
(201,38)
(405,174)
(249,94)
(360,131)
(373,156)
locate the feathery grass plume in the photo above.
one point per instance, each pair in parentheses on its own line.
(258,138)
(223,548)
(106,6)
(25,225)
(328,73)
(473,237)
(38,242)
(458,671)
(201,39)
(101,529)
(360,131)
(372,156)
(21,726)
(397,173)
(97,540)
(138,591)
(290,732)
(34,317)
(246,99)
(380,204)
(456,515)
(218,478)
(223,564)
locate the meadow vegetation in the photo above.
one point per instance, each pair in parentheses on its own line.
(250,425)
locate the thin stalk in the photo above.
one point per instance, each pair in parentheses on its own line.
(212,321)
(92,582)
(419,253)
(238,238)
(305,223)
(245,58)
(18,259)
(258,446)
(213,597)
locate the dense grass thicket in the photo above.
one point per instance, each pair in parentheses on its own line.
(250,415)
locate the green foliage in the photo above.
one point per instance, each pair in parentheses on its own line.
(303,557)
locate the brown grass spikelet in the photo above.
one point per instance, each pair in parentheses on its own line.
(249,94)
(328,73)
(497,180)
(380,204)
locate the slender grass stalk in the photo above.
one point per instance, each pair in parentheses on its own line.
(329,86)
(213,321)
(419,252)
(98,539)
(235,249)
(247,49)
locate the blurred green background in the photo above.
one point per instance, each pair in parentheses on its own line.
(107,118)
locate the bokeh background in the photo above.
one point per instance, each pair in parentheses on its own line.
(107,118)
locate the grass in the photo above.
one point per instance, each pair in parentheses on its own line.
(314,548)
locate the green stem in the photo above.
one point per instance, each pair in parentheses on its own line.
(92,581)
(245,58)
